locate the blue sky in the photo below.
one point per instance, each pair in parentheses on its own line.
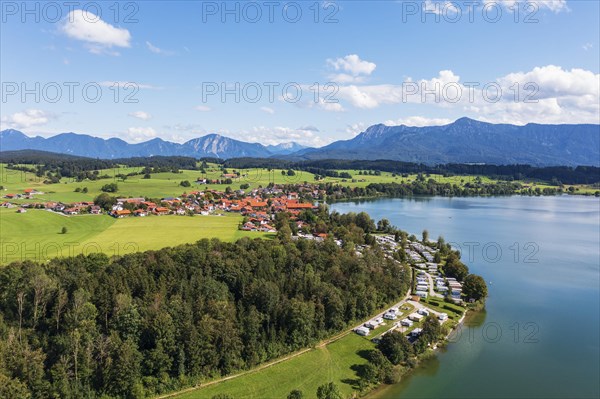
(370,62)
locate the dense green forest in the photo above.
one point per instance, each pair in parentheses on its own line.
(152,322)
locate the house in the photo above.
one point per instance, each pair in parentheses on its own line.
(161,210)
(95,210)
(122,213)
(71,211)
(443,316)
(140,212)
(423,311)
(364,331)
(421,294)
(21,210)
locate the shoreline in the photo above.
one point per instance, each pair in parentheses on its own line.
(381,388)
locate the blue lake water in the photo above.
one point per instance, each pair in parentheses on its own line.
(539,336)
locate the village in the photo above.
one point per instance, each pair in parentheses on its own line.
(258,206)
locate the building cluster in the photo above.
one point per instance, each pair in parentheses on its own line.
(258,206)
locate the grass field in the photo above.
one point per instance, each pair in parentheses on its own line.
(162,185)
(306,372)
(36,235)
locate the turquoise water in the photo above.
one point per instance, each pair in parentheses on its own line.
(539,335)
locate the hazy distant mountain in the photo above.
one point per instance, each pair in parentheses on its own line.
(212,145)
(467,140)
(463,141)
(286,148)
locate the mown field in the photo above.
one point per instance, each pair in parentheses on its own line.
(306,372)
(162,185)
(36,235)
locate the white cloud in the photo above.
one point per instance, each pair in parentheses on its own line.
(202,108)
(547,94)
(26,119)
(350,69)
(277,135)
(267,110)
(140,134)
(157,50)
(587,46)
(418,121)
(440,7)
(141,115)
(355,129)
(555,6)
(98,35)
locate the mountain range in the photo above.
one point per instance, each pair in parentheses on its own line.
(464,141)
(211,145)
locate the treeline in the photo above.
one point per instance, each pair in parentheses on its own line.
(554,174)
(429,188)
(148,323)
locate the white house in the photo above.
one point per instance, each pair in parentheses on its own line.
(443,316)
(422,294)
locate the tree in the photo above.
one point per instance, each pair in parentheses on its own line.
(432,330)
(84,190)
(455,268)
(295,394)
(329,391)
(185,183)
(425,236)
(63,230)
(105,201)
(474,287)
(110,188)
(395,346)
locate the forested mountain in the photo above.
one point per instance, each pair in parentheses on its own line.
(464,141)
(470,141)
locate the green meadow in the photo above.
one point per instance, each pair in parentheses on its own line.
(37,234)
(305,372)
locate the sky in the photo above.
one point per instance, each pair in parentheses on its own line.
(306,71)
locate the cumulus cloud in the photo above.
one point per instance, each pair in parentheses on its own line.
(26,119)
(350,69)
(139,134)
(418,121)
(547,94)
(267,110)
(99,36)
(141,115)
(555,6)
(277,135)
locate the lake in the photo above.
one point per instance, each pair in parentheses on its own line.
(539,335)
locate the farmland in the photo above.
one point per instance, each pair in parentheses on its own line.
(37,234)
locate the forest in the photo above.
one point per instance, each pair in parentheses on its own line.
(148,323)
